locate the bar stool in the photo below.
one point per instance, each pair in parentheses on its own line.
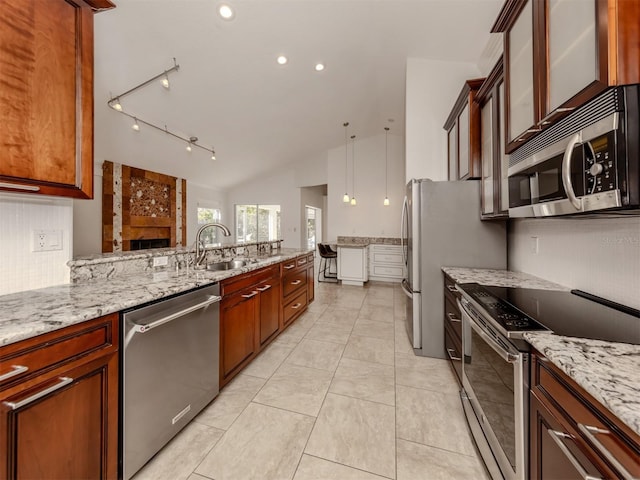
(327,255)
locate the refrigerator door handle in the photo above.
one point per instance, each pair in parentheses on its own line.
(402,230)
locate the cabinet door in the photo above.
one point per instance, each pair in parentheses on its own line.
(269,309)
(238,315)
(519,72)
(572,49)
(46,139)
(555,455)
(64,425)
(352,264)
(463,143)
(503,186)
(487,156)
(453,153)
(311,278)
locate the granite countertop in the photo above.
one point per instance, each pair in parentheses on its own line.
(34,312)
(361,242)
(500,278)
(607,371)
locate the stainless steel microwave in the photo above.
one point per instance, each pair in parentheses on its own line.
(588,162)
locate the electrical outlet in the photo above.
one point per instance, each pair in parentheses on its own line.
(160,261)
(47,240)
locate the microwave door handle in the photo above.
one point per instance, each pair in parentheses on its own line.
(566,171)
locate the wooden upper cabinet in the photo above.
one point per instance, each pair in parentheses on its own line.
(46,63)
(463,133)
(559,54)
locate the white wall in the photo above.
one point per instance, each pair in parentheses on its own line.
(20,267)
(369,217)
(431,90)
(600,256)
(201,196)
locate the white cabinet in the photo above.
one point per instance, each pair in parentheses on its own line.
(385,263)
(353,265)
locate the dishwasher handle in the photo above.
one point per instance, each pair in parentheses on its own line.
(145,328)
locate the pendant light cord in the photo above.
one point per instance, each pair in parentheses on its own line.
(386,162)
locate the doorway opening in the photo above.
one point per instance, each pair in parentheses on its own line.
(313,222)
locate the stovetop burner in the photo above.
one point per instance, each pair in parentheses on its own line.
(564,313)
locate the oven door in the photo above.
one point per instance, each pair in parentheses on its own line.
(495,385)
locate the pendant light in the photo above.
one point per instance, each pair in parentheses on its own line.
(353,176)
(345,197)
(386,167)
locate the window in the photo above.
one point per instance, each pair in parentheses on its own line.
(257,223)
(207,215)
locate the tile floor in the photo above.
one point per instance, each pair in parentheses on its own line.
(338,395)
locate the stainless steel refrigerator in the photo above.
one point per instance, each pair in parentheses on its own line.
(441,226)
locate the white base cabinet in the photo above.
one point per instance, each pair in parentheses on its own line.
(353,265)
(385,263)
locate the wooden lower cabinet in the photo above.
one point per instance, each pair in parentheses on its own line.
(238,330)
(572,436)
(269,299)
(452,327)
(60,420)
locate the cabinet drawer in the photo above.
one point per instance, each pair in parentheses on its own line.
(453,348)
(386,271)
(294,281)
(239,282)
(297,305)
(450,289)
(452,317)
(288,266)
(310,258)
(301,261)
(596,426)
(381,257)
(24,359)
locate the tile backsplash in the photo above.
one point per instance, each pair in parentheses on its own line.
(21,268)
(598,255)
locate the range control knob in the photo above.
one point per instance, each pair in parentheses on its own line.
(596,169)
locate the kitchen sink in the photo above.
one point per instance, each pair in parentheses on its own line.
(227,265)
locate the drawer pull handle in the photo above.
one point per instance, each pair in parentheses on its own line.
(557,438)
(302,262)
(16,370)
(15,186)
(296,306)
(452,288)
(590,432)
(290,266)
(452,357)
(249,295)
(452,317)
(62,381)
(263,289)
(296,282)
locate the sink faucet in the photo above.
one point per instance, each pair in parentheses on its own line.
(200,251)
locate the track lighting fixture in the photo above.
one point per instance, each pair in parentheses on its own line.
(114,103)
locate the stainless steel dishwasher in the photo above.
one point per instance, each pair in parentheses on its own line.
(169,370)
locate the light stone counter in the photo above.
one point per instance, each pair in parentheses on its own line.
(500,278)
(34,312)
(609,371)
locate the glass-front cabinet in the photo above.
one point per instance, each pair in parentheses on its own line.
(559,54)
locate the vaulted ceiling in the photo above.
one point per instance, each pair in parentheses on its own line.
(231,93)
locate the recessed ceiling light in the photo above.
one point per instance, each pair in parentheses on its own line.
(226,12)
(282,60)
(319,67)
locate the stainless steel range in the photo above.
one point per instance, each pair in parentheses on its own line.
(495,372)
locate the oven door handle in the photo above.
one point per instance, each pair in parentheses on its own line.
(504,354)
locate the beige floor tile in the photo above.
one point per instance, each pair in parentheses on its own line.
(414,460)
(353,301)
(378,299)
(181,455)
(195,476)
(424,372)
(356,433)
(265,443)
(307,319)
(433,419)
(313,468)
(316,354)
(370,349)
(330,332)
(371,328)
(292,335)
(377,313)
(402,343)
(319,304)
(231,401)
(339,316)
(294,388)
(365,380)
(268,361)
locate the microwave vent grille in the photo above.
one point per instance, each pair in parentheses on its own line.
(599,108)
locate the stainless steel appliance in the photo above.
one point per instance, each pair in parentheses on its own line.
(441,226)
(495,371)
(170,364)
(587,162)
